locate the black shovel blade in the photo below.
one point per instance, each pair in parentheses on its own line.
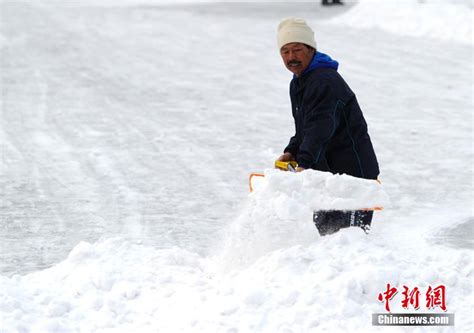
(330,221)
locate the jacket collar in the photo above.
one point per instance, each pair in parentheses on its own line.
(320,60)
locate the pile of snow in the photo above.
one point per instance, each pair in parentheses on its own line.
(446,21)
(315,190)
(272,273)
(331,284)
(279,211)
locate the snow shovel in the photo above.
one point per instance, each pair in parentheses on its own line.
(327,221)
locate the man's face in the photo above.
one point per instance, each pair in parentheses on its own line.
(297,57)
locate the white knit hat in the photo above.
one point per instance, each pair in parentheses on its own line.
(295,30)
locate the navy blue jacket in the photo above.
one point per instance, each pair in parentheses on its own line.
(331,132)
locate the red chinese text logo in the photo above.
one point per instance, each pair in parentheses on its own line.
(434,297)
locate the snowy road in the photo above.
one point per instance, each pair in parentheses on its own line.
(144,122)
(110,129)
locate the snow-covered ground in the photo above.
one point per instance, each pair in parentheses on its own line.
(127,136)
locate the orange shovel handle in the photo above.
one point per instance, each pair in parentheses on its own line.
(250,179)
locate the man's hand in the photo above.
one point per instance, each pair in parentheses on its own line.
(286,157)
(299,169)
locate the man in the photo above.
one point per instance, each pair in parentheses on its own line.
(330,130)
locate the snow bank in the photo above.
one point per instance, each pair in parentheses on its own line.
(331,284)
(439,20)
(272,273)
